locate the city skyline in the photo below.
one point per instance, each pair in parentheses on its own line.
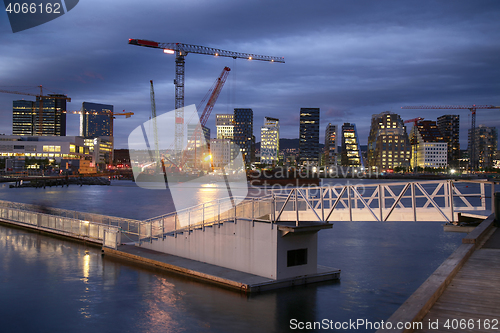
(351,60)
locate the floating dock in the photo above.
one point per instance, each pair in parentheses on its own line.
(212,273)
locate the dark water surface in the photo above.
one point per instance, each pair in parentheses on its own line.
(52,285)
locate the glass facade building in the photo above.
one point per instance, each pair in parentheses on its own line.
(351,153)
(331,145)
(243,134)
(269,141)
(309,136)
(486,140)
(388,143)
(449,126)
(96,120)
(23,113)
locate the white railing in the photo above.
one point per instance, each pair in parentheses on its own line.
(64,225)
(129,227)
(207,214)
(399,201)
(410,201)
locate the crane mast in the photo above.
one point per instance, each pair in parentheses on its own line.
(181,50)
(153,117)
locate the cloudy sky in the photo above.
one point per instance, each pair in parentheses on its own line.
(351,59)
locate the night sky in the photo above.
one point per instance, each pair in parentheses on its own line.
(351,59)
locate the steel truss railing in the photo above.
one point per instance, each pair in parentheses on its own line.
(411,201)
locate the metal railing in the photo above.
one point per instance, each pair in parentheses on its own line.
(64,225)
(401,201)
(130,227)
(208,214)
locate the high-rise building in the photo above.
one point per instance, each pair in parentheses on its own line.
(243,133)
(432,150)
(26,117)
(53,116)
(269,141)
(225,126)
(309,136)
(388,143)
(486,140)
(96,120)
(351,153)
(449,126)
(331,145)
(23,113)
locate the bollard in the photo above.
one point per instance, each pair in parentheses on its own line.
(497,209)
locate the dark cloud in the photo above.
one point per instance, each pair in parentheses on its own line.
(350,58)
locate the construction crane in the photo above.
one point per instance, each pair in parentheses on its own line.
(212,95)
(40,97)
(213,92)
(153,117)
(413,142)
(472,109)
(111,115)
(181,50)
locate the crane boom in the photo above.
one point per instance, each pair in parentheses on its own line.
(40,103)
(181,50)
(423,107)
(189,48)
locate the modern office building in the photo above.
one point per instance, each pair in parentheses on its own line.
(101,149)
(53,116)
(51,147)
(449,126)
(351,153)
(243,133)
(431,148)
(388,143)
(309,136)
(270,141)
(26,117)
(96,120)
(23,116)
(96,126)
(486,139)
(225,126)
(331,145)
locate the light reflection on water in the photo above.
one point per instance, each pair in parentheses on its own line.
(66,286)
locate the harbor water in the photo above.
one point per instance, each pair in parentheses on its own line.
(54,285)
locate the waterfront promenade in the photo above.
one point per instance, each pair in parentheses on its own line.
(463,294)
